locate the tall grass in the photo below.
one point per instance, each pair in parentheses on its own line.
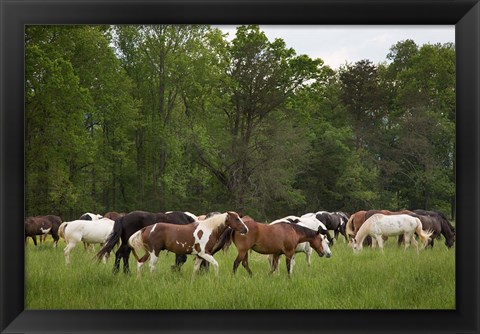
(369,280)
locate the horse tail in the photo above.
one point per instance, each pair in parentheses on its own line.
(112,239)
(423,235)
(348,226)
(61,230)
(224,241)
(136,242)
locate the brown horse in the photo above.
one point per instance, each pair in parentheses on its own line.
(197,238)
(276,239)
(42,225)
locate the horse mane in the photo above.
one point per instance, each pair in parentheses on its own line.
(214,222)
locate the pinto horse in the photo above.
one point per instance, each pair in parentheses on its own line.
(276,239)
(134,221)
(379,226)
(42,225)
(334,221)
(88,231)
(197,239)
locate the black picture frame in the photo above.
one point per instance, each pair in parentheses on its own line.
(15,14)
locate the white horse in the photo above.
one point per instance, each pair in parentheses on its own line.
(381,226)
(89,231)
(310,222)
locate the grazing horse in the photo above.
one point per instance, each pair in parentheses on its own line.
(276,239)
(134,221)
(89,231)
(379,226)
(197,239)
(358,218)
(446,229)
(311,222)
(42,225)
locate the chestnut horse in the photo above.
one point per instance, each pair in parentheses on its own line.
(197,238)
(276,239)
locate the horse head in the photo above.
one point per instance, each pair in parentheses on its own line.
(320,244)
(235,222)
(355,245)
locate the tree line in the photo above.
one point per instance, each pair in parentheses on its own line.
(177,117)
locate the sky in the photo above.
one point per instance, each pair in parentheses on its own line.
(337,45)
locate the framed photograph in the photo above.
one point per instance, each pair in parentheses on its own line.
(207,68)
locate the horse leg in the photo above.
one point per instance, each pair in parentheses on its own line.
(141,262)
(210,259)
(245,264)
(379,240)
(118,256)
(68,249)
(126,255)
(308,253)
(292,262)
(275,262)
(288,260)
(196,266)
(179,261)
(240,257)
(153,260)
(335,234)
(415,243)
(34,240)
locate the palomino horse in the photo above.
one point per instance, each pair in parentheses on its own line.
(197,239)
(311,222)
(379,226)
(90,231)
(125,226)
(275,239)
(42,225)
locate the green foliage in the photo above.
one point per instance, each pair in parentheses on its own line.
(175,117)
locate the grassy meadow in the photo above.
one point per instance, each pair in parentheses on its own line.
(368,280)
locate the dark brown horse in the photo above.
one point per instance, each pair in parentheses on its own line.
(439,224)
(42,225)
(125,226)
(276,239)
(197,238)
(114,215)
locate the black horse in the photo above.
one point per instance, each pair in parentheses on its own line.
(439,219)
(127,225)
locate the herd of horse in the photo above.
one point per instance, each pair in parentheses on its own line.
(184,233)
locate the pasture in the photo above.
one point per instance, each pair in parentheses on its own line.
(368,280)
